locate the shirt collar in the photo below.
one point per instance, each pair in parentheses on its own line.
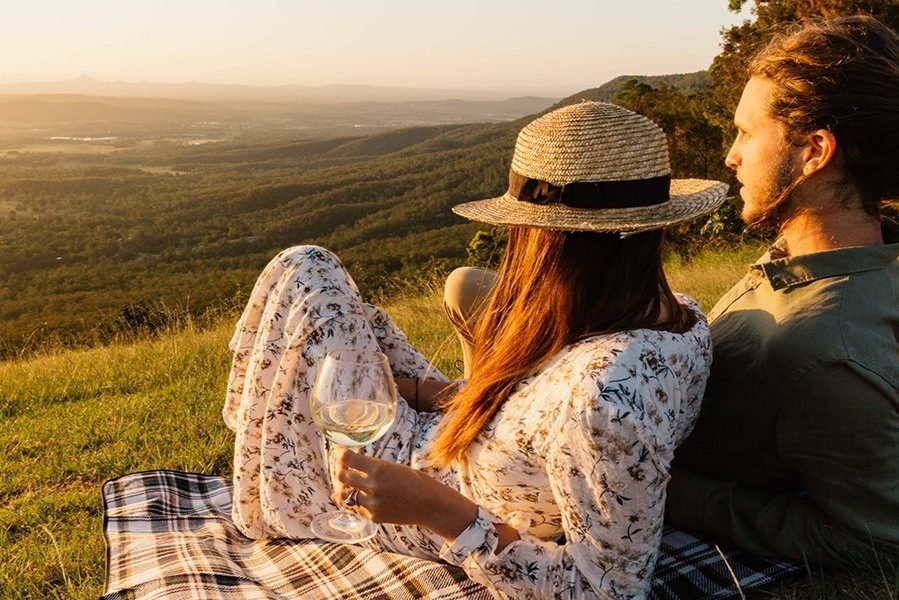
(782,271)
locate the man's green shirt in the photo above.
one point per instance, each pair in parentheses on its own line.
(796,451)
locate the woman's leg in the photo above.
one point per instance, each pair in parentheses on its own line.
(465,295)
(304,305)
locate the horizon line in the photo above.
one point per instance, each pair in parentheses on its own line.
(491,88)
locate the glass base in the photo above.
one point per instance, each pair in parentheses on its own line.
(343,527)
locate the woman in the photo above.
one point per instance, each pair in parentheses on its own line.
(544,475)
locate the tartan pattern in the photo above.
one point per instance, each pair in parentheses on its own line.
(690,568)
(169,535)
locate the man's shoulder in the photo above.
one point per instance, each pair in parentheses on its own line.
(869,322)
(852,317)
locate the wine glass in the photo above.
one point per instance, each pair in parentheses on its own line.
(353,403)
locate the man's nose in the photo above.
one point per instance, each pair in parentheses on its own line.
(731,160)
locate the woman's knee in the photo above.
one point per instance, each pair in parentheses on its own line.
(302,270)
(466,291)
(309,252)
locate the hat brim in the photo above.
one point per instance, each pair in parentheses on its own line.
(689,198)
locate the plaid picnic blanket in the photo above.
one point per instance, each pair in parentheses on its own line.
(170,535)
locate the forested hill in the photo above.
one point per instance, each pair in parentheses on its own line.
(112,236)
(683,82)
(124,228)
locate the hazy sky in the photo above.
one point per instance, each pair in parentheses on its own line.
(553,46)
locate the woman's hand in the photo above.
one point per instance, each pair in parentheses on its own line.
(392,493)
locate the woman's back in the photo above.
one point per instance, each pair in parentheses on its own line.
(644,386)
(580,450)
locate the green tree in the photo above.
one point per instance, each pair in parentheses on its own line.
(694,148)
(486,248)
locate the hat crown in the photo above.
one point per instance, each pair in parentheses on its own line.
(591,141)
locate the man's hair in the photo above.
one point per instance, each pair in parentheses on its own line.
(842,75)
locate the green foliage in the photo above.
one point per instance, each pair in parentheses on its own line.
(486,248)
(724,222)
(686,83)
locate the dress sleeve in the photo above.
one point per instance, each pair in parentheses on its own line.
(609,484)
(839,434)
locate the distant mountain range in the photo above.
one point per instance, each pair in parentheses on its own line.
(327,94)
(104,112)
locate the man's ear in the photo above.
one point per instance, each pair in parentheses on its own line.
(818,151)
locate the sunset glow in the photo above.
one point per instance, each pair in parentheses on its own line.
(525,46)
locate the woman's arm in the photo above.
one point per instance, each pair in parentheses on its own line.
(607,479)
(424,395)
(392,493)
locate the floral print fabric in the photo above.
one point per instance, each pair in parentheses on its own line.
(577,459)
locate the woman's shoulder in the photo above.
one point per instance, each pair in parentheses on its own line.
(627,343)
(597,361)
(635,358)
(699,333)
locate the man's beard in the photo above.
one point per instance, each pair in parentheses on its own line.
(773,205)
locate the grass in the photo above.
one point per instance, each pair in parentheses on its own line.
(7,207)
(709,274)
(72,420)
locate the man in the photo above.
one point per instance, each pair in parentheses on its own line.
(796,451)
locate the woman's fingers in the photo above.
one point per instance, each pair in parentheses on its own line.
(361,503)
(357,470)
(385,492)
(354,460)
(340,491)
(344,496)
(354,479)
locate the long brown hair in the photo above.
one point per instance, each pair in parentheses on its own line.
(841,75)
(555,288)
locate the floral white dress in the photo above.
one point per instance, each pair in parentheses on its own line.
(577,459)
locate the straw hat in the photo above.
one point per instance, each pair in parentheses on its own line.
(594,166)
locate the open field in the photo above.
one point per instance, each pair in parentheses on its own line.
(72,420)
(62,148)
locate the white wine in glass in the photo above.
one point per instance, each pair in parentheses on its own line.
(354,422)
(353,403)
